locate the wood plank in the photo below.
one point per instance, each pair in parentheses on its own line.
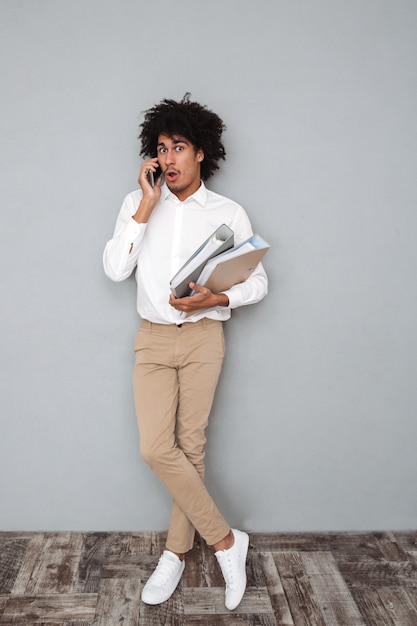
(386,607)
(30,559)
(47,608)
(311,542)
(56,569)
(254,569)
(230,619)
(122,544)
(147,543)
(399,607)
(275,589)
(201,567)
(391,550)
(7,534)
(91,562)
(200,601)
(118,544)
(135,566)
(3,601)
(299,593)
(379,573)
(118,602)
(198,566)
(330,590)
(371,607)
(12,552)
(407,540)
(50,623)
(412,597)
(219,620)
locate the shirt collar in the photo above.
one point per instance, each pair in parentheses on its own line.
(199,196)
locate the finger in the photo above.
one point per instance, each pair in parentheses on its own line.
(196,287)
(151,164)
(148,166)
(200,289)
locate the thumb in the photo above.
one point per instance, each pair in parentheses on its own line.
(197,287)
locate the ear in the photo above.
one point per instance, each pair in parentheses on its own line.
(200,155)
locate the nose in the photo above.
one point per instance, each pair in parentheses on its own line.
(170,157)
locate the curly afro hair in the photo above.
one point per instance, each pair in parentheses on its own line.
(191,120)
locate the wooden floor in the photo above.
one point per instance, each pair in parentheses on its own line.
(76,579)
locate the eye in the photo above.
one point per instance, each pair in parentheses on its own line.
(162,150)
(179,148)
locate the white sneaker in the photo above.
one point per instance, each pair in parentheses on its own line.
(233,566)
(164,580)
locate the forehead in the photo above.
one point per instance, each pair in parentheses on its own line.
(165,140)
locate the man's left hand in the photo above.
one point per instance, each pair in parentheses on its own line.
(202,299)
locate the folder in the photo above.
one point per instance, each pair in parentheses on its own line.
(233,266)
(221,240)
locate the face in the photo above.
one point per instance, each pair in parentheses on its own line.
(180,162)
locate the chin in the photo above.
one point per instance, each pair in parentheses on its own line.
(175,188)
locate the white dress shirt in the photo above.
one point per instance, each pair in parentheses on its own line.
(160,247)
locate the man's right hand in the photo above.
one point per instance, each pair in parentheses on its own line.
(151,194)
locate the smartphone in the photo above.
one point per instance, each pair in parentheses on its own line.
(153,176)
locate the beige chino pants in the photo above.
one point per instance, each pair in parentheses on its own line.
(175,377)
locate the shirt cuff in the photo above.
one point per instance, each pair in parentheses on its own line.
(234,298)
(134,230)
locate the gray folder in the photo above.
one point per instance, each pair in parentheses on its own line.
(221,240)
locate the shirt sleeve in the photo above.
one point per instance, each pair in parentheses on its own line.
(121,251)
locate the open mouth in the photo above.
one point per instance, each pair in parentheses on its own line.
(171,175)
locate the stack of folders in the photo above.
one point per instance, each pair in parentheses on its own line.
(222,239)
(220,265)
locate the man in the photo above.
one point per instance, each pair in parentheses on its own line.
(179,347)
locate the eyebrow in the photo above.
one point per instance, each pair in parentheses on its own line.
(175,142)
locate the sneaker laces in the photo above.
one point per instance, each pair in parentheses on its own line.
(226,565)
(164,571)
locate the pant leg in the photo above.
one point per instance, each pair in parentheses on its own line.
(161,352)
(198,376)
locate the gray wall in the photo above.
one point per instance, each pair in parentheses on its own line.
(314,424)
